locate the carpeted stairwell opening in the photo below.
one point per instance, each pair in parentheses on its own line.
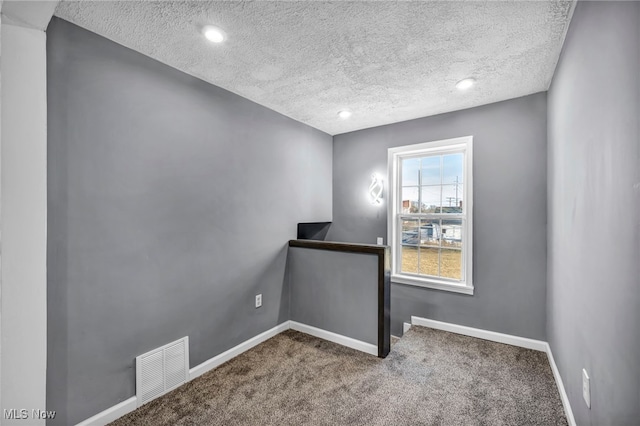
(431,377)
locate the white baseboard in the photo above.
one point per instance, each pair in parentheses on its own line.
(523,342)
(508,339)
(218,360)
(563,393)
(111,414)
(335,338)
(125,407)
(405,327)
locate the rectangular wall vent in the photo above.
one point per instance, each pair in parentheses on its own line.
(161,370)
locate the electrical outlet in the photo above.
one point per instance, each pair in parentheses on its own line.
(586,388)
(258,300)
(379,241)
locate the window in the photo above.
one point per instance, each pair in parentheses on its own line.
(430,214)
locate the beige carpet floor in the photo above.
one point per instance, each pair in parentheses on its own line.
(430,377)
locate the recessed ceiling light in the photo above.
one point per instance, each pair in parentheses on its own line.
(214,34)
(465,84)
(344,114)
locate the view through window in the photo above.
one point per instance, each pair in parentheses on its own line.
(431,220)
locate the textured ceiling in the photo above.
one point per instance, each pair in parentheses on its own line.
(385,61)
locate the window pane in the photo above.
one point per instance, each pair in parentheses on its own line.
(410,199)
(409,259)
(430,232)
(410,232)
(452,168)
(431,199)
(410,171)
(429,261)
(452,198)
(452,233)
(431,170)
(451,264)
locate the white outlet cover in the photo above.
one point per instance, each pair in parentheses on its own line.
(258,300)
(380,241)
(586,388)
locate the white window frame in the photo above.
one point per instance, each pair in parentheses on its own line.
(394,233)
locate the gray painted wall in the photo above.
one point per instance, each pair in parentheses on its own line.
(171,203)
(594,211)
(335,291)
(509,212)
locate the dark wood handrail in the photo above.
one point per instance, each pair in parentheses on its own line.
(384,281)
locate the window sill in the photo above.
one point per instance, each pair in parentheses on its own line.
(429,283)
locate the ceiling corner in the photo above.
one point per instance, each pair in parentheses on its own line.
(30,14)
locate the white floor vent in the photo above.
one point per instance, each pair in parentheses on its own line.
(161,370)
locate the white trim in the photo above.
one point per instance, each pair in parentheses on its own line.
(523,342)
(23,208)
(461,144)
(405,327)
(218,360)
(111,414)
(427,283)
(127,406)
(452,144)
(563,393)
(335,338)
